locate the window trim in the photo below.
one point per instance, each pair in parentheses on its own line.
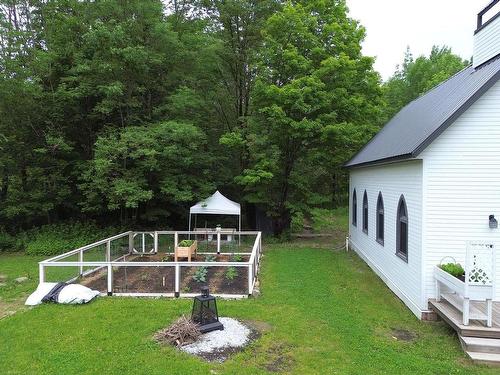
(399,253)
(354,212)
(380,210)
(365,215)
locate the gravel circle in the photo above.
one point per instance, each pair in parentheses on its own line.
(213,345)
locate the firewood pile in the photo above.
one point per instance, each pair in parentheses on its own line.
(183,331)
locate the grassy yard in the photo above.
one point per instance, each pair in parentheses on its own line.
(327,313)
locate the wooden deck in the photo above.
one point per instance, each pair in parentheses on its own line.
(475,328)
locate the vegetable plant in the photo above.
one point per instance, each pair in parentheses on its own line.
(231,273)
(454,269)
(237,258)
(200,275)
(186,243)
(210,258)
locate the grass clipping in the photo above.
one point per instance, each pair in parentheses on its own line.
(183,331)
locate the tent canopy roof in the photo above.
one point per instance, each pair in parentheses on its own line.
(216,204)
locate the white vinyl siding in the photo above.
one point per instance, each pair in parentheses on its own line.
(487,43)
(392,180)
(461,171)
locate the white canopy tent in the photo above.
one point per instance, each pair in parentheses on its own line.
(216,204)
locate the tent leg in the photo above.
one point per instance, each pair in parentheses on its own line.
(189,226)
(239,229)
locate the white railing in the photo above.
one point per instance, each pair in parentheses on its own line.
(104,255)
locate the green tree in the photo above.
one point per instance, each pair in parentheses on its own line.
(312,78)
(136,168)
(416,76)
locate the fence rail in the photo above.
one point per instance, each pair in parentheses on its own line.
(110,254)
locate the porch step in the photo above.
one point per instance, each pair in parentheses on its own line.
(453,317)
(491,359)
(480,345)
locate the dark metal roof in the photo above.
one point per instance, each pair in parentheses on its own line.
(420,122)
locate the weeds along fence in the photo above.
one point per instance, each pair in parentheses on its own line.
(142,264)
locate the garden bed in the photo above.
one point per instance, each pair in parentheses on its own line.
(161,279)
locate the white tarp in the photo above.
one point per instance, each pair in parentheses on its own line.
(217,204)
(70,294)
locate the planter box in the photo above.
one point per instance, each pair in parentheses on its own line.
(466,290)
(461,293)
(186,251)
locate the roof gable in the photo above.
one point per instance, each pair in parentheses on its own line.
(424,119)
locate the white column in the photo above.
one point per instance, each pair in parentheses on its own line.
(131,242)
(156,242)
(110,280)
(250,279)
(80,259)
(218,240)
(465,312)
(108,251)
(177,279)
(41,273)
(438,291)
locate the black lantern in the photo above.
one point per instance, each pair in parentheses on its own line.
(493,222)
(205,312)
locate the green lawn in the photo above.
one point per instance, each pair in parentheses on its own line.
(329,314)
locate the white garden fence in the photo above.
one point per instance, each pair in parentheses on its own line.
(129,264)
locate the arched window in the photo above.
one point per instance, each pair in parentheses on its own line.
(354,209)
(365,213)
(380,219)
(402,230)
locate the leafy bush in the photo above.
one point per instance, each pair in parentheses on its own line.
(231,273)
(186,243)
(200,275)
(297,224)
(327,221)
(58,238)
(454,269)
(7,242)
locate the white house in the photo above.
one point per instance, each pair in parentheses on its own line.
(429,181)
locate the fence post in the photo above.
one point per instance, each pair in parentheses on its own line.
(260,242)
(108,251)
(130,242)
(143,242)
(110,280)
(250,279)
(80,259)
(41,273)
(218,240)
(177,279)
(156,242)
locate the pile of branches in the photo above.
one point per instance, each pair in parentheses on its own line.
(183,331)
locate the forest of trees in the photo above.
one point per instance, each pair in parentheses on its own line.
(130,111)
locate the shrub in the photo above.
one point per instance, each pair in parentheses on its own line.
(7,242)
(200,275)
(231,273)
(186,243)
(328,221)
(58,238)
(297,224)
(454,269)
